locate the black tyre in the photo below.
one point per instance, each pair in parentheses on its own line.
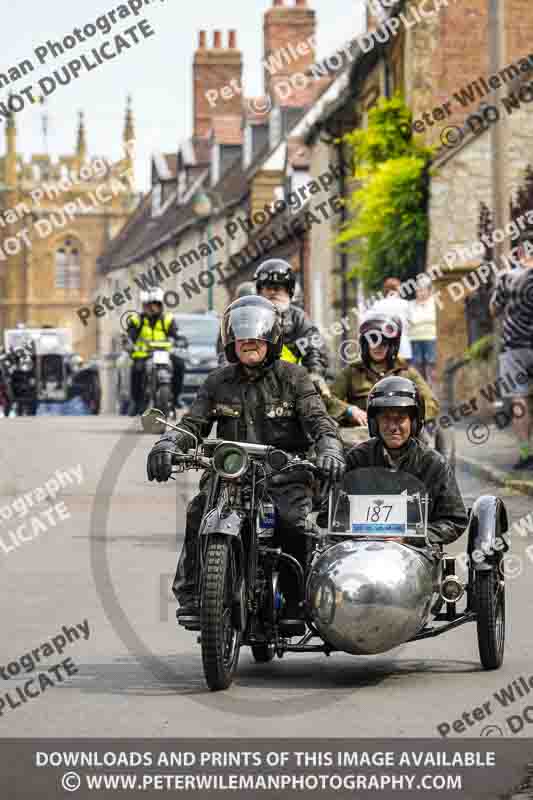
(445,445)
(263,653)
(490,605)
(221,638)
(163,399)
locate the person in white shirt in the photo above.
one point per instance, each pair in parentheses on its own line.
(423,331)
(393,305)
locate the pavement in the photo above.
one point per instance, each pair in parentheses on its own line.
(489,453)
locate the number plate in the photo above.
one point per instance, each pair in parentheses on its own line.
(161,357)
(375,514)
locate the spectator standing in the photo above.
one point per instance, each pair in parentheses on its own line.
(423,331)
(393,305)
(512,300)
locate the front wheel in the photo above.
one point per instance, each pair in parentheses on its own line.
(221,638)
(490,603)
(163,400)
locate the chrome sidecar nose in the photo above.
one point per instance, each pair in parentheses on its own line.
(366,597)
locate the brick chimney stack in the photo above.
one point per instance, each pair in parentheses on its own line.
(213,69)
(289,45)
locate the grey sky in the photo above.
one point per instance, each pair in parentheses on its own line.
(157,71)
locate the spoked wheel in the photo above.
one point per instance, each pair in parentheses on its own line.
(490,602)
(163,399)
(221,638)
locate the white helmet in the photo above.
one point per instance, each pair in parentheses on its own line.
(143,297)
(156,296)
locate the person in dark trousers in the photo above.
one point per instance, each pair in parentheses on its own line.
(512,300)
(396,416)
(257,398)
(152,326)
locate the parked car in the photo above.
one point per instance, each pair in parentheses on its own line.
(200,355)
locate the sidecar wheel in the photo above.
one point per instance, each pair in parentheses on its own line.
(490,603)
(221,639)
(263,653)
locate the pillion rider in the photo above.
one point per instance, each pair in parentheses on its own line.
(379,343)
(152,326)
(396,416)
(256,398)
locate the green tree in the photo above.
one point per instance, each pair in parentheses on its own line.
(389,228)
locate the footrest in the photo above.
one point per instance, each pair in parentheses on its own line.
(190,624)
(292,627)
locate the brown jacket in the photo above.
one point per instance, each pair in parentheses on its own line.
(355,382)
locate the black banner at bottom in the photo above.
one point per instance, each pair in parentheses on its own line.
(263,768)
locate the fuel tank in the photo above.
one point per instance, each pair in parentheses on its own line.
(366,597)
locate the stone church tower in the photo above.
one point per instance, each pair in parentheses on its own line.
(55,220)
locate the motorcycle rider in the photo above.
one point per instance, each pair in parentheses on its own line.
(379,342)
(256,398)
(244,289)
(396,416)
(275,280)
(152,325)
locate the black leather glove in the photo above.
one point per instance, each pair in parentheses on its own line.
(159,464)
(331,459)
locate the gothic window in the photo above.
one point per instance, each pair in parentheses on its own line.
(68,271)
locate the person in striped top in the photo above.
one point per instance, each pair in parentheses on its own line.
(512,300)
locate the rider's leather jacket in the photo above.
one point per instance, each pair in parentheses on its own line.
(447,517)
(311,353)
(276,405)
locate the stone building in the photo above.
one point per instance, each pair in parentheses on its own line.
(55,219)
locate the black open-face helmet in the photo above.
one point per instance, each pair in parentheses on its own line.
(396,392)
(380,329)
(275,272)
(252,317)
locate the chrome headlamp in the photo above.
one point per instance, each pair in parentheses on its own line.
(230,461)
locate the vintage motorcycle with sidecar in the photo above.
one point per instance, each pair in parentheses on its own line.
(373,582)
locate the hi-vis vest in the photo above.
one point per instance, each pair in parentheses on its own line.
(288,355)
(157,333)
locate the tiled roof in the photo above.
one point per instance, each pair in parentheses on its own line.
(143,232)
(172,163)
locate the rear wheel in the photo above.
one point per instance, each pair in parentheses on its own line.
(221,638)
(490,603)
(163,399)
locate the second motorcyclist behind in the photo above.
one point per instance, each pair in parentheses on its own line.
(257,398)
(152,326)
(379,342)
(302,343)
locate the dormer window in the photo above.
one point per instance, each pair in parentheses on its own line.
(275,127)
(248,148)
(182,184)
(157,194)
(215,164)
